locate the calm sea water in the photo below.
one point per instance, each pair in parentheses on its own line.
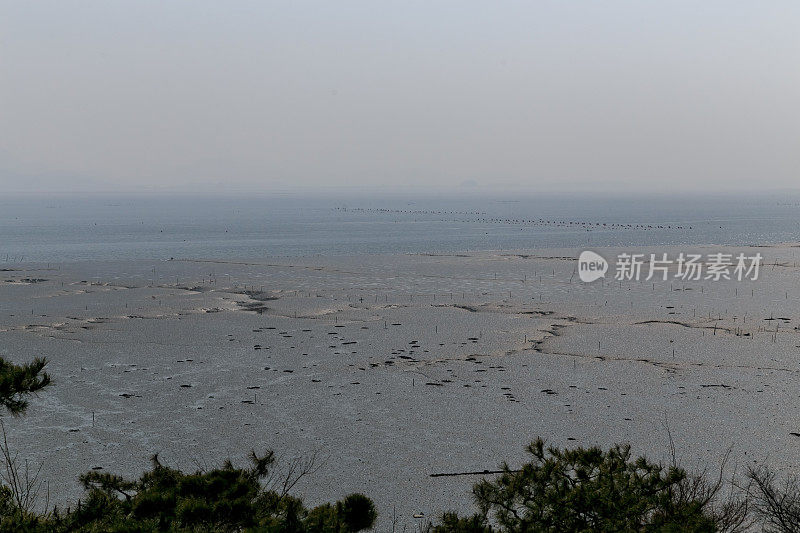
(81,228)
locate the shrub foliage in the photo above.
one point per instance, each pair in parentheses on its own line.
(225,499)
(587,490)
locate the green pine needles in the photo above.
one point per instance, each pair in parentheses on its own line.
(17,382)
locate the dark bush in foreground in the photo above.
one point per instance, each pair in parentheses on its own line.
(17,382)
(775,502)
(592,490)
(220,500)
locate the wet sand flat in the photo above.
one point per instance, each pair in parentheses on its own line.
(394,368)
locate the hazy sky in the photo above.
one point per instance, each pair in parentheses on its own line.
(205,96)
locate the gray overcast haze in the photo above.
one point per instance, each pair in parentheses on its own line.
(504,96)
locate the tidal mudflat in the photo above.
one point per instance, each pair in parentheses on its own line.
(394,369)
